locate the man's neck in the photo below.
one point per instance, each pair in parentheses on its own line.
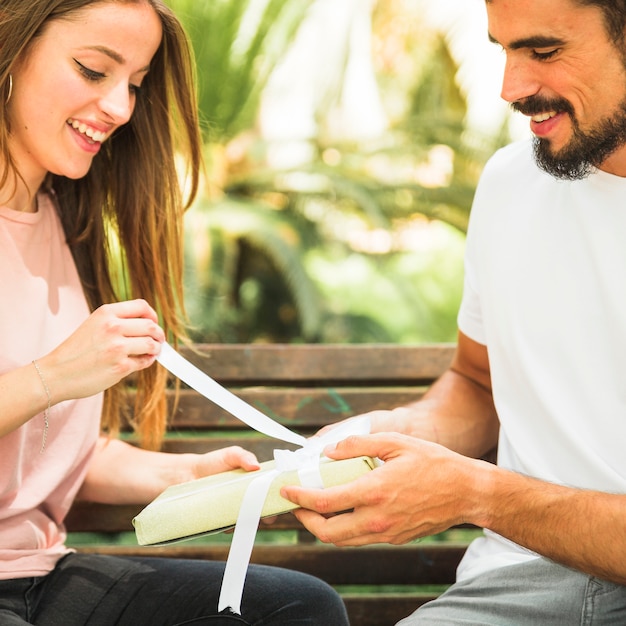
(616,163)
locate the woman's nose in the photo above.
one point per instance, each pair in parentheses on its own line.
(118,103)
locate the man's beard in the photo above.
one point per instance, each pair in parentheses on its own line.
(586,150)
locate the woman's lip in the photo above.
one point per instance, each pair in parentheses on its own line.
(542,129)
(92,131)
(86,144)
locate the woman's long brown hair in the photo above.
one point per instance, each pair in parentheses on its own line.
(128,210)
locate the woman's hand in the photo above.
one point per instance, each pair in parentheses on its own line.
(116,340)
(223,460)
(120,473)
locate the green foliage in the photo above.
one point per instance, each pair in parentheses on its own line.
(237,43)
(294,255)
(237,250)
(406,296)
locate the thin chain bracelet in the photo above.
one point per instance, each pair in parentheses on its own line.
(46,412)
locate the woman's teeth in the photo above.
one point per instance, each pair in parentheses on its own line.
(95,135)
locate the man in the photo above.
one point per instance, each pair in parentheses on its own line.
(541,357)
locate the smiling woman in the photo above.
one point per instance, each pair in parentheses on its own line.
(99,99)
(98,84)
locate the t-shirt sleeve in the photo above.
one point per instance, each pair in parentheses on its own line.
(492,193)
(469,319)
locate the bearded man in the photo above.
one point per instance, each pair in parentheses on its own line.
(541,358)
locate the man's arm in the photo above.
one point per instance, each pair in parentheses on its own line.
(585,530)
(424,488)
(457,411)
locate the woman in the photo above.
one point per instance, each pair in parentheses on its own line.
(94,97)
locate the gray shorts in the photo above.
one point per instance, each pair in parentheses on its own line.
(535,593)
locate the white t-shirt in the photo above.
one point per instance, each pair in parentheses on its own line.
(545,291)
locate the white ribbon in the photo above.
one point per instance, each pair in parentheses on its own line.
(205,385)
(305,461)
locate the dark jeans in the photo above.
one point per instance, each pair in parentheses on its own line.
(99,590)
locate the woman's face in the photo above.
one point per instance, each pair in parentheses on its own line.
(77,84)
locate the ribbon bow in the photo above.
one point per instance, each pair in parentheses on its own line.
(305,461)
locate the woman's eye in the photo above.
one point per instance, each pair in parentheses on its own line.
(89,74)
(542,55)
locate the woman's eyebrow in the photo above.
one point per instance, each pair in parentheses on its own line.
(113,54)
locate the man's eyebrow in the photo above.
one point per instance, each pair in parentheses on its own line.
(116,56)
(536,41)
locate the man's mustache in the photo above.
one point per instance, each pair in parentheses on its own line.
(534,105)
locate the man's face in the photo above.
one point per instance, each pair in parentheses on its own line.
(569,77)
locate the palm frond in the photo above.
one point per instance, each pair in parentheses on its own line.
(270,232)
(236,43)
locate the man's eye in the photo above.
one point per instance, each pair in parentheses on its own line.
(88,73)
(542,55)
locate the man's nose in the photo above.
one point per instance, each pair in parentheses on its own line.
(520,80)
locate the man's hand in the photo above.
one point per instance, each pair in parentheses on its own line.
(421,489)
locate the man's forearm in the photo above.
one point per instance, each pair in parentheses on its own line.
(582,529)
(455,412)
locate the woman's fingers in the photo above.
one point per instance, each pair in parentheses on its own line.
(116,340)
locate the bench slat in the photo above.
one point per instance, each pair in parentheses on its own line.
(264,363)
(432,564)
(383,608)
(309,408)
(91,517)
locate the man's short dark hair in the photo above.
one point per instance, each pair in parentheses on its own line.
(614,17)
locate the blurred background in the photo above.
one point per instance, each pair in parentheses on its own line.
(344,140)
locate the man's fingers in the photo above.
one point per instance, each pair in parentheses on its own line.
(341,530)
(381,445)
(332,499)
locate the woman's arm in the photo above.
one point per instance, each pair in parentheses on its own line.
(121,473)
(116,340)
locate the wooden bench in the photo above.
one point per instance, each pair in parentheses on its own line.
(304,387)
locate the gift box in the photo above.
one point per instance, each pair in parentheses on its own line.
(211,504)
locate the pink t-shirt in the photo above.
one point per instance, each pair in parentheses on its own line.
(41,304)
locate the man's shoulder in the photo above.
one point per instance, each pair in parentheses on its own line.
(509,178)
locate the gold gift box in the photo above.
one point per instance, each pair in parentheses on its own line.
(211,504)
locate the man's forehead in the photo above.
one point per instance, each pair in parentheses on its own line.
(517,24)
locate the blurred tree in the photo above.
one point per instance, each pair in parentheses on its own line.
(237,44)
(264,242)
